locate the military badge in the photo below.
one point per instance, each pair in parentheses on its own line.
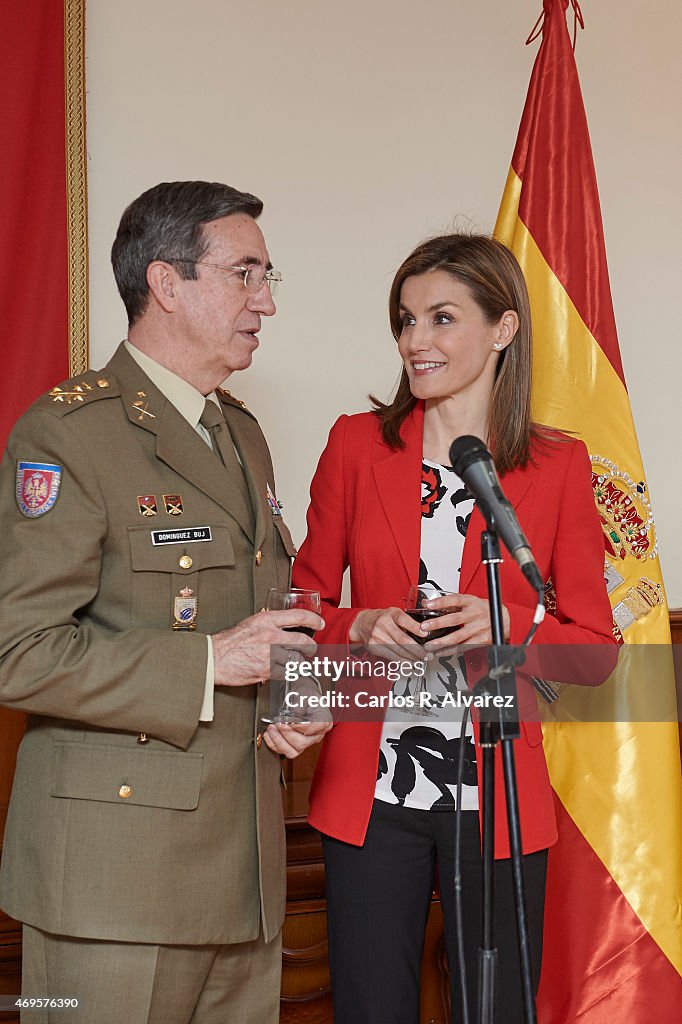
(142,408)
(146,504)
(185,610)
(37,487)
(275,506)
(173,504)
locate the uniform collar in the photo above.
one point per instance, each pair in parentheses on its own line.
(187,400)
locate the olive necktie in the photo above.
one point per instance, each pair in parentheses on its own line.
(213,420)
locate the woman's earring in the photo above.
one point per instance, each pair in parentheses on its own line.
(497,345)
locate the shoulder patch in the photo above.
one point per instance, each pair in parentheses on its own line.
(37,487)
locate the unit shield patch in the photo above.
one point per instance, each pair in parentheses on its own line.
(146,504)
(37,487)
(173,504)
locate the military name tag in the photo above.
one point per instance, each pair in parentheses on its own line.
(188,536)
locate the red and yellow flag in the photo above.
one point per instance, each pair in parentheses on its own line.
(613,951)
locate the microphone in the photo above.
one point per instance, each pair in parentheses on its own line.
(473,463)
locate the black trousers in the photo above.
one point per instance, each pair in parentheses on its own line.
(378,898)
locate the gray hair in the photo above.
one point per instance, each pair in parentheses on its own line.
(166,223)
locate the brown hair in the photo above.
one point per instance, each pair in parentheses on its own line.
(496,282)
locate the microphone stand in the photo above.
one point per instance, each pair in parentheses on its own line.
(500,725)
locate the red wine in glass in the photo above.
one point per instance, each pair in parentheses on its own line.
(415,606)
(423,615)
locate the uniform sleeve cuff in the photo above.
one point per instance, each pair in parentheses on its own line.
(206,713)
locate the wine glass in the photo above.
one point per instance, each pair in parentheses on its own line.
(282,600)
(415,606)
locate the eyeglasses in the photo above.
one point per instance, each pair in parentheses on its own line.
(253,276)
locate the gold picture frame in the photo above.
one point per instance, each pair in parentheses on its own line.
(76,184)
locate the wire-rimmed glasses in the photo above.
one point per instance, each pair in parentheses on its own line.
(253,275)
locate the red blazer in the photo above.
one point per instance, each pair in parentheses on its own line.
(365,512)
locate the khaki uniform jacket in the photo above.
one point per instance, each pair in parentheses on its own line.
(180,839)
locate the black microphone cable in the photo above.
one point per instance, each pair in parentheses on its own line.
(459,913)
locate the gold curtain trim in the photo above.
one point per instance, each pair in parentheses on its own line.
(76,184)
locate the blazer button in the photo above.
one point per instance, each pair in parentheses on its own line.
(259,556)
(259,741)
(143,738)
(125,791)
(185,562)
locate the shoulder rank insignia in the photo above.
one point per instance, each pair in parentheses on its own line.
(80,392)
(228,394)
(37,487)
(76,393)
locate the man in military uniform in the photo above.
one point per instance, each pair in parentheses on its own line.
(144,849)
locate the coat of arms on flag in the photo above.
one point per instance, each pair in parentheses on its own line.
(37,487)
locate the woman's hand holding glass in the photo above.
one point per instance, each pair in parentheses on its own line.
(389,632)
(466,617)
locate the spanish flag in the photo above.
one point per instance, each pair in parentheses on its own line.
(612,926)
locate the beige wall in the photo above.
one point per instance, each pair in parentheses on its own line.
(366,125)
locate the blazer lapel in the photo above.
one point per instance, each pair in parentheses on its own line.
(398,482)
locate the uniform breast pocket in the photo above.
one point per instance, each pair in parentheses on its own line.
(181,578)
(125,776)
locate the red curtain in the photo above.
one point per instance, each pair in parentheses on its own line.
(34,210)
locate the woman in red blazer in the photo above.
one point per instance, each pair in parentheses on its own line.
(459,312)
